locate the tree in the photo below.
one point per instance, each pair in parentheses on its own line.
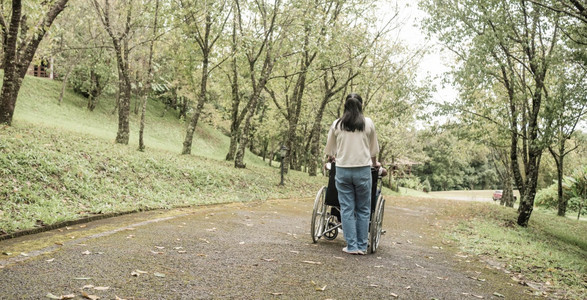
(20,42)
(259,50)
(119,30)
(149,81)
(513,44)
(568,108)
(200,23)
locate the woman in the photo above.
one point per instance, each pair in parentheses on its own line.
(353,141)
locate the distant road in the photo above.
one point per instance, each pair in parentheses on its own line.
(473,195)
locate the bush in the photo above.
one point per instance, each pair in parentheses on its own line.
(426,186)
(575,203)
(547,197)
(411,182)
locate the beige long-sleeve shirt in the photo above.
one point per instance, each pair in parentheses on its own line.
(352,149)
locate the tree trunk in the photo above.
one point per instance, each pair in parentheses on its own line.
(92,92)
(147,89)
(123,133)
(187,144)
(246,133)
(64,84)
(234,118)
(15,67)
(315,150)
(562,202)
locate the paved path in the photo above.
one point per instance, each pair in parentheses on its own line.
(246,251)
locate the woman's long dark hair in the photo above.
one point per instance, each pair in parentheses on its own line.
(352,119)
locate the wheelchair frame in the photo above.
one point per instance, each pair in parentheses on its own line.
(324,225)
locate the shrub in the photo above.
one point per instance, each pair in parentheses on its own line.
(547,197)
(426,186)
(411,182)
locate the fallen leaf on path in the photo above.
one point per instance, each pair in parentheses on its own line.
(477,296)
(157,274)
(159,247)
(83,226)
(320,289)
(241,243)
(498,295)
(87,252)
(408,287)
(130,236)
(118,298)
(6,253)
(69,296)
(294,251)
(177,248)
(393,295)
(312,262)
(181,251)
(136,273)
(338,257)
(156,252)
(23,254)
(442,278)
(88,286)
(51,296)
(88,296)
(478,279)
(276,294)
(417,265)
(101,288)
(50,260)
(211,229)
(59,243)
(82,278)
(204,240)
(268,259)
(373,285)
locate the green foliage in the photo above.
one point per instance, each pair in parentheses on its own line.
(411,182)
(547,197)
(426,186)
(575,186)
(574,190)
(454,163)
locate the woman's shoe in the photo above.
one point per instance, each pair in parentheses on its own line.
(345,250)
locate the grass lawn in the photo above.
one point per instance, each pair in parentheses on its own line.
(550,254)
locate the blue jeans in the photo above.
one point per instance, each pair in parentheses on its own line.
(354,195)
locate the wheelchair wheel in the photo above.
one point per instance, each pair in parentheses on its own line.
(319,220)
(331,231)
(376,225)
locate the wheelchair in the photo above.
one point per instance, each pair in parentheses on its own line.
(326,213)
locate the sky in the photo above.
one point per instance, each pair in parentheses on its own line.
(436,62)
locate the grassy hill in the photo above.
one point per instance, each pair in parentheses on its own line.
(60,163)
